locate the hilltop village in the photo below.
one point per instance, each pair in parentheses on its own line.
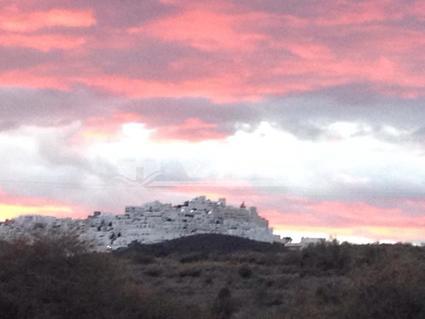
(150,223)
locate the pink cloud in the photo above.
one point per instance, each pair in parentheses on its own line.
(288,213)
(242,54)
(192,129)
(41,42)
(101,129)
(14,20)
(12,206)
(351,219)
(358,12)
(206,30)
(219,88)
(221,51)
(33,80)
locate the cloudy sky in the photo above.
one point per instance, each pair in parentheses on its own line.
(311,110)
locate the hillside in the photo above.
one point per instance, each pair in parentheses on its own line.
(210,277)
(202,243)
(260,280)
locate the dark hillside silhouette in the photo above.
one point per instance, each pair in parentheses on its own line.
(204,243)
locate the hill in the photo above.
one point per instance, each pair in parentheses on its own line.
(202,243)
(210,277)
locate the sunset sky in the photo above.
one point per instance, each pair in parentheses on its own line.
(313,111)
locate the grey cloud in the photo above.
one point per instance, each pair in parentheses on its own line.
(306,115)
(50,107)
(56,152)
(112,13)
(19,58)
(306,9)
(61,172)
(152,59)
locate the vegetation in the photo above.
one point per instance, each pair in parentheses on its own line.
(58,278)
(211,277)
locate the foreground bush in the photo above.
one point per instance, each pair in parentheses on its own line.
(389,290)
(360,282)
(57,278)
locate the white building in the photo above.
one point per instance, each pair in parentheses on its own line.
(151,223)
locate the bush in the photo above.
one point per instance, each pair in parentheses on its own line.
(245,271)
(326,258)
(389,290)
(224,305)
(153,271)
(192,258)
(190,272)
(142,259)
(57,278)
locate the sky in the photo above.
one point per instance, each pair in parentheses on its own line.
(313,111)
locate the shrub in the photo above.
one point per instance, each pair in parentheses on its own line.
(265,297)
(53,278)
(389,290)
(190,272)
(195,257)
(224,305)
(142,259)
(153,271)
(245,271)
(326,258)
